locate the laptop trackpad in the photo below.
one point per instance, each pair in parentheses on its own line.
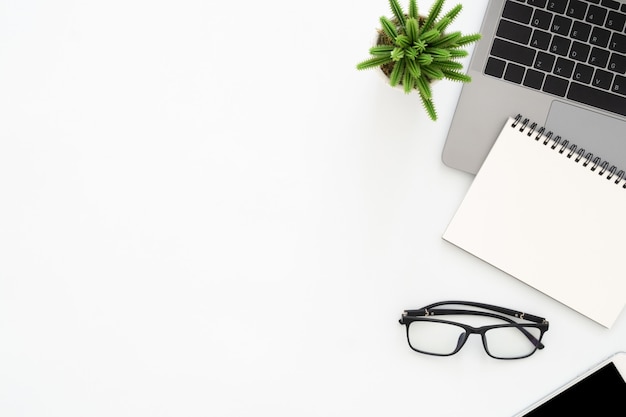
(602,135)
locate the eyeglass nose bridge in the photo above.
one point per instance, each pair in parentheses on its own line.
(469,330)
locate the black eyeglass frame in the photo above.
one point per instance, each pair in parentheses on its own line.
(426,313)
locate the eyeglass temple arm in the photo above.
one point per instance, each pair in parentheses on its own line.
(442,312)
(507,311)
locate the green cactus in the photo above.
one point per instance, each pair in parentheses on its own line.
(413,51)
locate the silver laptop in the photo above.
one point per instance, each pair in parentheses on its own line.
(559,63)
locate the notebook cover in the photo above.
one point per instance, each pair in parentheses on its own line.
(548,221)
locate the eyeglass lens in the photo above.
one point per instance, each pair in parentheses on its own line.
(438,338)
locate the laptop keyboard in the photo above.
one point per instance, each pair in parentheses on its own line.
(568,48)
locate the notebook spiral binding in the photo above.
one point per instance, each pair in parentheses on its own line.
(579,153)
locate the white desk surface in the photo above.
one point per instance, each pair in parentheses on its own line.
(207,211)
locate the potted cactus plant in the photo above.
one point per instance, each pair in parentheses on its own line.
(413,50)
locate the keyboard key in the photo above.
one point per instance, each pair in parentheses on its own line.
(602,79)
(618,42)
(533,79)
(617,63)
(495,67)
(514,73)
(596,15)
(541,19)
(513,52)
(563,67)
(580,31)
(518,12)
(619,85)
(615,21)
(560,45)
(557,6)
(576,9)
(597,98)
(599,37)
(599,57)
(538,3)
(583,73)
(540,40)
(610,3)
(579,51)
(561,25)
(544,62)
(513,31)
(555,85)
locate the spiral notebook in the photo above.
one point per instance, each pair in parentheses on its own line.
(551,215)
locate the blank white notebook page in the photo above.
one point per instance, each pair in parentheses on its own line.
(548,221)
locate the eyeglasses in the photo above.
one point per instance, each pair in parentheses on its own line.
(510,340)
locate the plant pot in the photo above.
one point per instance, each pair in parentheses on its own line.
(385,70)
